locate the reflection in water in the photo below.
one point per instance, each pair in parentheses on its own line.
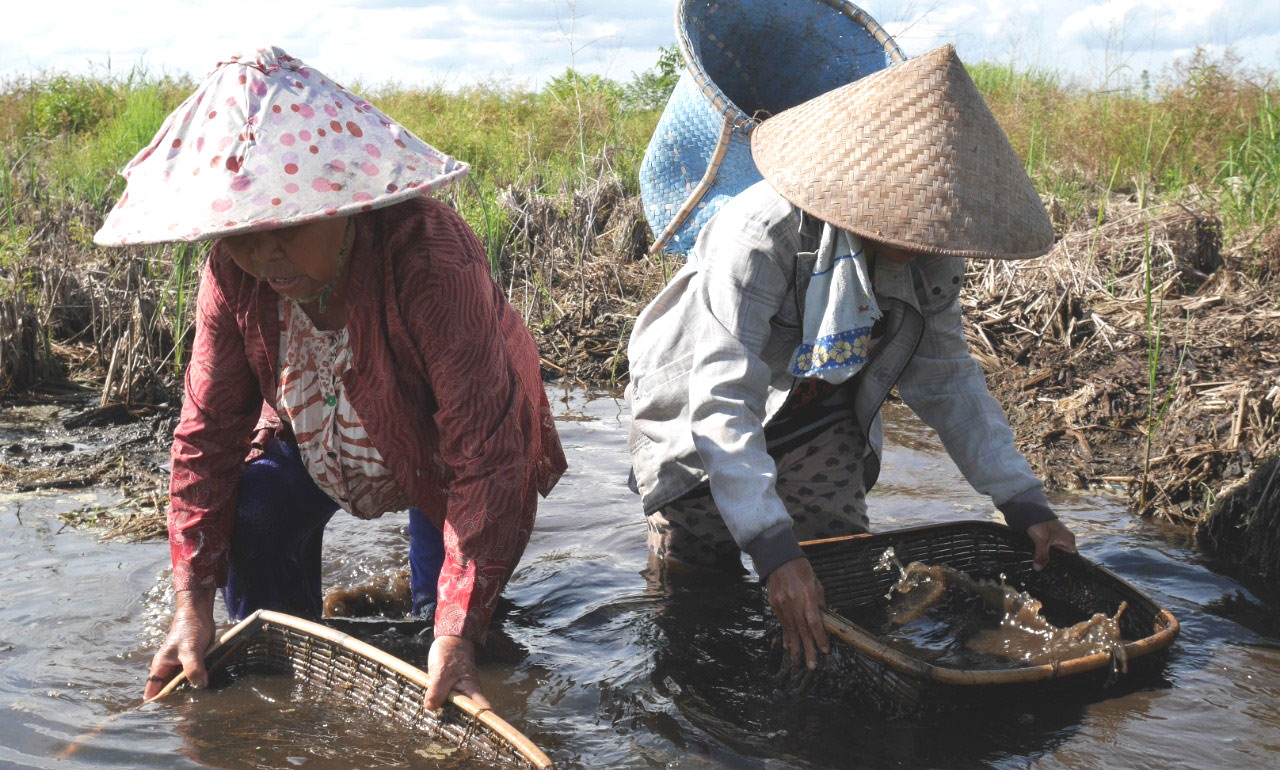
(608,668)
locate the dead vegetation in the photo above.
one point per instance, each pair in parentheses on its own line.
(1244,527)
(71,310)
(576,272)
(19,356)
(1139,355)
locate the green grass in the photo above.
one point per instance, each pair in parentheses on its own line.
(70,152)
(1250,174)
(547,141)
(1209,126)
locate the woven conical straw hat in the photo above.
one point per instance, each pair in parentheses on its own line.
(910,156)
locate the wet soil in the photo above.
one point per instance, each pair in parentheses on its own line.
(1143,355)
(1083,415)
(59,441)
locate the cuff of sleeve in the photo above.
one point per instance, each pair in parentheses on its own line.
(454,620)
(1027,509)
(466,595)
(772,548)
(187,579)
(197,569)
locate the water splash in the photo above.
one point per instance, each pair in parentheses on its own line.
(1005,625)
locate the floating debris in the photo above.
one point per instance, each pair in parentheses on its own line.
(944,613)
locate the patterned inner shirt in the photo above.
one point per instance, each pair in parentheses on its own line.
(331,439)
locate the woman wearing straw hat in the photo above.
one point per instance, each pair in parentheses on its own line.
(758,373)
(351,351)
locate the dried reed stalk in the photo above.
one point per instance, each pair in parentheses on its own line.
(1066,340)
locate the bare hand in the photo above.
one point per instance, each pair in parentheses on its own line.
(451,665)
(184,646)
(1049,533)
(796,598)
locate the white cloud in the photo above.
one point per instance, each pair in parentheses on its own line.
(1161,24)
(374,41)
(455,42)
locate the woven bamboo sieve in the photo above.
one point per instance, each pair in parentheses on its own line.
(745,60)
(899,683)
(337,665)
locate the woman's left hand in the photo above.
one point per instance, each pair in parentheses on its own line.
(1050,533)
(451,665)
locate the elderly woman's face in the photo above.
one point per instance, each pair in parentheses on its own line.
(296,261)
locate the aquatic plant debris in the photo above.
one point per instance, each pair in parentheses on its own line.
(1022,634)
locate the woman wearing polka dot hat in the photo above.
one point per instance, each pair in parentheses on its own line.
(351,351)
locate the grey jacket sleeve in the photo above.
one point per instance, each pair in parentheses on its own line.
(945,386)
(743,283)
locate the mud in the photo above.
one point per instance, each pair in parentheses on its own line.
(387,596)
(64,441)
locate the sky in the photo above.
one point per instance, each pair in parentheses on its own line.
(455,43)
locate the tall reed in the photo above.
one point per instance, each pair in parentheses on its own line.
(1153,296)
(1215,126)
(1250,173)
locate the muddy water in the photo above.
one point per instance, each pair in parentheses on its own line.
(606,669)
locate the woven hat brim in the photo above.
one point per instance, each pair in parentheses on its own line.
(925,248)
(909,156)
(268,142)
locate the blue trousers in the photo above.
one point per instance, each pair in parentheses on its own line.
(278,532)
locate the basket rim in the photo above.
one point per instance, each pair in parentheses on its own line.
(867,643)
(239,634)
(726,107)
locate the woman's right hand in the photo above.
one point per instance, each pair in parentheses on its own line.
(796,598)
(186,643)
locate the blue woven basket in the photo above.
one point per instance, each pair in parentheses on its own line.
(745,60)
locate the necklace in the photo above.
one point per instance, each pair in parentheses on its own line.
(322,297)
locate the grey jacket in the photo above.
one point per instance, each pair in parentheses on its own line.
(709,363)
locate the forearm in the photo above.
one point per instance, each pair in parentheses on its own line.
(773,547)
(196,603)
(743,285)
(727,394)
(945,386)
(222,401)
(206,461)
(1027,509)
(487,526)
(467,596)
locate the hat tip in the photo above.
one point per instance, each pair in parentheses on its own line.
(946,51)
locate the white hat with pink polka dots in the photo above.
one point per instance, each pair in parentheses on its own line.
(267,141)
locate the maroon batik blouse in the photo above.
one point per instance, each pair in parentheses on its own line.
(445,378)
